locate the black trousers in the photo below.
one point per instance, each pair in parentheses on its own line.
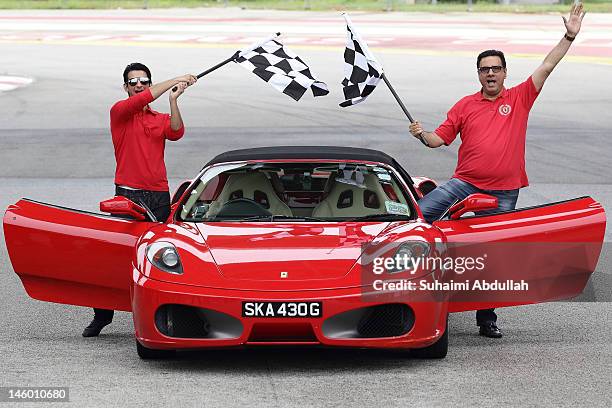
(159,204)
(485,315)
(157,201)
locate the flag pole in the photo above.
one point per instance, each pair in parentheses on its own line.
(219,65)
(234,57)
(397,98)
(401,104)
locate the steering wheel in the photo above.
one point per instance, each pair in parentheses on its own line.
(242,207)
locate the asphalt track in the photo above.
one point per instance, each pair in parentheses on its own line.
(55,147)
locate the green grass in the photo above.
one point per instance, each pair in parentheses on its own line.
(593,6)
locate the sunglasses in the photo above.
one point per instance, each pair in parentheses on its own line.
(485,70)
(143,80)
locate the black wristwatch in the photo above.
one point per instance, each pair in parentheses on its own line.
(568,38)
(422,138)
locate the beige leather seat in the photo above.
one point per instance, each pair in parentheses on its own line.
(345,200)
(254,186)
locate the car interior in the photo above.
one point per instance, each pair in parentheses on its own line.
(308,191)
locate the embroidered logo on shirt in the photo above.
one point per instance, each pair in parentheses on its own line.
(505,110)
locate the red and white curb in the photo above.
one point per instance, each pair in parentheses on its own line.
(10,83)
(593,47)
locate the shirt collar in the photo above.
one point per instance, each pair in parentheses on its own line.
(479,97)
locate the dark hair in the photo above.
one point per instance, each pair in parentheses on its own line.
(135,66)
(491,53)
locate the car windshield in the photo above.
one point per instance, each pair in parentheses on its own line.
(298,191)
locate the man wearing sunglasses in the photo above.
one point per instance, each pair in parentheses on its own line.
(493,125)
(139,136)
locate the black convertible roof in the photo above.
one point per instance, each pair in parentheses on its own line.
(305,152)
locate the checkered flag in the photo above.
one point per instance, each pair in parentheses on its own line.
(362,71)
(281,68)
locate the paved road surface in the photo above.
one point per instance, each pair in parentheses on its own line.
(56,148)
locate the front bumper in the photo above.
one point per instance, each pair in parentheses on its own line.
(149,297)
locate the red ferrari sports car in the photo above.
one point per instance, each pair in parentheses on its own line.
(279,246)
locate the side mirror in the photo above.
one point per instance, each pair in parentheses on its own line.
(123,206)
(180,191)
(473,203)
(424,185)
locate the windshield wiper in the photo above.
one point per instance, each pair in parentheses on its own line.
(234,218)
(270,218)
(297,217)
(381,217)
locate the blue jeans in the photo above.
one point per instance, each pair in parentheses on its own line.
(440,199)
(434,204)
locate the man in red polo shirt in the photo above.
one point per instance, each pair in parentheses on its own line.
(493,125)
(139,137)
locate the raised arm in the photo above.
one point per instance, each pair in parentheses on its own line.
(124,109)
(572,27)
(159,89)
(176,121)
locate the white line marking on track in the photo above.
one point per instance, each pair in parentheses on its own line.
(9,83)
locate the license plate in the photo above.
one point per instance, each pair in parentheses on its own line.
(282,309)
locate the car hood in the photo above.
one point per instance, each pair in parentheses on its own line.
(287,251)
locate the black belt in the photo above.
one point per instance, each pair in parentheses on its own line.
(130,191)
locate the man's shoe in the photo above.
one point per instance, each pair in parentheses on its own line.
(95,327)
(490,329)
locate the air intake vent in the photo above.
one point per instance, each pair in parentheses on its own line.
(182,321)
(379,321)
(386,321)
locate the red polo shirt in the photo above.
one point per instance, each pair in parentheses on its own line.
(492,151)
(139,138)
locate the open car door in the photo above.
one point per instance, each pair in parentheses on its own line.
(73,257)
(536,254)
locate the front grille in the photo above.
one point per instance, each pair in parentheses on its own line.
(386,321)
(182,321)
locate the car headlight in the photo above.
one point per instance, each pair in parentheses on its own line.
(406,256)
(165,257)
